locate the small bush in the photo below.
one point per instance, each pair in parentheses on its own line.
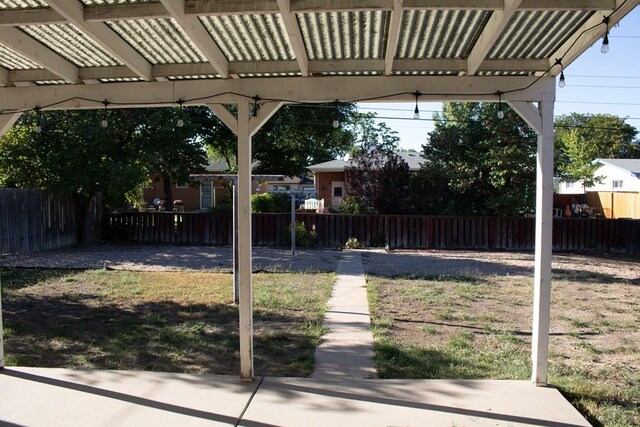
(353,243)
(270,203)
(304,238)
(262,203)
(353,206)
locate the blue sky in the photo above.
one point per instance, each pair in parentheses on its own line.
(596,83)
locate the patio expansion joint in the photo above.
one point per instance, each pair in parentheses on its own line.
(244,410)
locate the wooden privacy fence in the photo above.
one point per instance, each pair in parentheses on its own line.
(399,231)
(33,220)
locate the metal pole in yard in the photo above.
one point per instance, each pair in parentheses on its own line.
(1,333)
(293,223)
(236,280)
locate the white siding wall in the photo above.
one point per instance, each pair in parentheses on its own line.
(611,174)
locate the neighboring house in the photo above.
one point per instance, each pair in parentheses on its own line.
(617,193)
(194,197)
(329,177)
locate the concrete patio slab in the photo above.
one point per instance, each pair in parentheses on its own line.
(63,397)
(433,403)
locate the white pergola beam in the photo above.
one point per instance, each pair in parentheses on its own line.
(159,71)
(39,53)
(298,89)
(579,42)
(102,34)
(128,11)
(225,117)
(4,76)
(263,115)
(492,30)
(529,113)
(392,37)
(6,121)
(244,242)
(295,36)
(192,26)
(37,16)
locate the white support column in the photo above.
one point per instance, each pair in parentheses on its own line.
(6,121)
(1,332)
(542,268)
(244,239)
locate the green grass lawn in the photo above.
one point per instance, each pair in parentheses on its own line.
(159,321)
(480,327)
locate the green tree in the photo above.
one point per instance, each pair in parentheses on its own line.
(582,138)
(476,163)
(73,153)
(294,138)
(378,177)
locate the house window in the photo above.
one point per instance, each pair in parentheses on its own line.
(569,184)
(617,184)
(182,185)
(337,191)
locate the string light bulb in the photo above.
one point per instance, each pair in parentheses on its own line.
(180,121)
(561,81)
(416,111)
(500,108)
(254,110)
(605,40)
(105,123)
(336,121)
(38,127)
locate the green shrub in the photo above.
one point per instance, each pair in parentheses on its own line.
(353,243)
(304,238)
(270,203)
(353,206)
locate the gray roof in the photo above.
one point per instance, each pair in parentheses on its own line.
(631,165)
(412,158)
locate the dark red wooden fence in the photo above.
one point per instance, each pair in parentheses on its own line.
(33,220)
(399,231)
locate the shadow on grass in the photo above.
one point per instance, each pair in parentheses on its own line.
(60,332)
(17,278)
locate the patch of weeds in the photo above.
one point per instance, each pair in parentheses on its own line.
(428,329)
(461,340)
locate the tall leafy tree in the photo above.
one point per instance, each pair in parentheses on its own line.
(582,138)
(378,178)
(477,163)
(75,154)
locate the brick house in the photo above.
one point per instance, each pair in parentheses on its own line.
(332,186)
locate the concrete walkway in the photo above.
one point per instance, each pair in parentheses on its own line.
(347,350)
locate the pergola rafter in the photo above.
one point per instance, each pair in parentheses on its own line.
(264,53)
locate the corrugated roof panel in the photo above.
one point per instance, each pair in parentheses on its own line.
(537,34)
(92,2)
(425,73)
(13,60)
(121,79)
(160,40)
(439,33)
(193,77)
(51,82)
(73,44)
(344,35)
(21,4)
(250,37)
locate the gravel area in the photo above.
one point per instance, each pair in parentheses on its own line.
(376,262)
(431,262)
(172,258)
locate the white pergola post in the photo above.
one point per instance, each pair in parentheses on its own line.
(243,190)
(544,228)
(6,121)
(540,118)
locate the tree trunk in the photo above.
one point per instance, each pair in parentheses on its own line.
(168,195)
(89,211)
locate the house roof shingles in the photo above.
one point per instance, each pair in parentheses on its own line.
(631,165)
(413,159)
